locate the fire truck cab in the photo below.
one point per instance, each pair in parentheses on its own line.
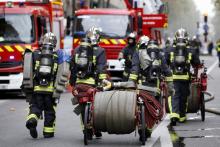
(22,24)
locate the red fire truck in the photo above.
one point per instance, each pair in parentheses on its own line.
(116,24)
(22,24)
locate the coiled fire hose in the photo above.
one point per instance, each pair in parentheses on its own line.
(154,111)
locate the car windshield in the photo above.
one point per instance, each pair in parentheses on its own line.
(113,26)
(16,28)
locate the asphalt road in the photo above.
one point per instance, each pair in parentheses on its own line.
(194,132)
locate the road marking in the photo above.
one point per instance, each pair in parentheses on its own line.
(212,66)
(162,133)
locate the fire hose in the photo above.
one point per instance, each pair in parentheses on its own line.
(154,111)
(211,97)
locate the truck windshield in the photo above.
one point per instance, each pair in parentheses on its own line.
(16,28)
(113,26)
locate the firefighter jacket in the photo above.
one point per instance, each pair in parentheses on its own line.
(218,46)
(143,76)
(98,71)
(36,61)
(128,52)
(190,59)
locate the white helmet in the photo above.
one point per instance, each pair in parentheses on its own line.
(143,41)
(49,39)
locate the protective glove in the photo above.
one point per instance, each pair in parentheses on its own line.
(74,99)
(171,90)
(107,85)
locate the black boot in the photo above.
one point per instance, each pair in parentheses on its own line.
(31,124)
(98,134)
(173,121)
(48,135)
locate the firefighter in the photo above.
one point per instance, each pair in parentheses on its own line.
(195,44)
(218,50)
(181,59)
(89,65)
(45,70)
(127,53)
(147,67)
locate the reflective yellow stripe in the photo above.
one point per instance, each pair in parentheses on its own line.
(171,56)
(133,76)
(189,57)
(49,129)
(172,115)
(122,41)
(158,83)
(105,41)
(44,88)
(114,41)
(90,81)
(55,67)
(1,50)
(32,116)
(8,48)
(28,46)
(54,108)
(102,76)
(85,43)
(19,48)
(76,57)
(139,81)
(37,63)
(170,104)
(169,79)
(181,77)
(182,119)
(94,59)
(58,3)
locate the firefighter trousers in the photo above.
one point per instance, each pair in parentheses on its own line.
(44,103)
(178,103)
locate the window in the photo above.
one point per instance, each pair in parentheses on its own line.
(16,28)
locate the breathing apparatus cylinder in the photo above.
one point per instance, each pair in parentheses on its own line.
(180,57)
(155,69)
(45,70)
(84,60)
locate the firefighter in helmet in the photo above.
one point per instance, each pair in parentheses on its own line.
(88,65)
(127,53)
(218,50)
(181,58)
(45,66)
(147,67)
(195,44)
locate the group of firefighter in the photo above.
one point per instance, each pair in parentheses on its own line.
(145,64)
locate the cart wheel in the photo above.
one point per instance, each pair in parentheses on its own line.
(202,107)
(86,121)
(143,125)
